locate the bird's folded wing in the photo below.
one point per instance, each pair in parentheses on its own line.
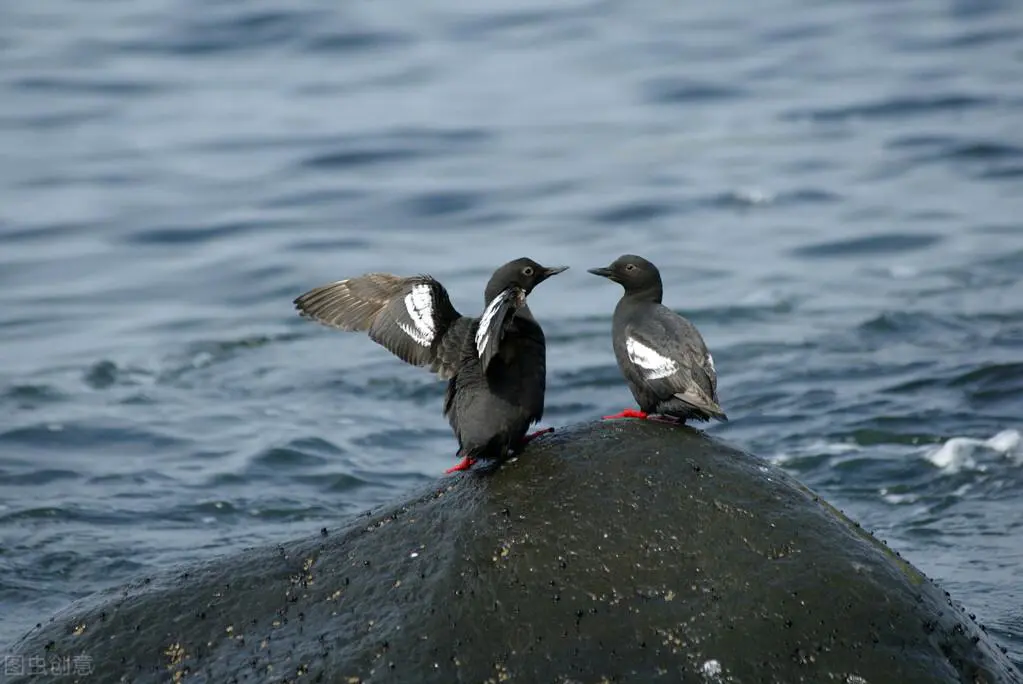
(673,367)
(493,322)
(696,397)
(413,317)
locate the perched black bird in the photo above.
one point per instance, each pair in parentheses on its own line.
(661,354)
(495,365)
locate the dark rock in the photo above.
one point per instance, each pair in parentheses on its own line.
(625,551)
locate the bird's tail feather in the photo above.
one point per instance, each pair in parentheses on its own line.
(703,404)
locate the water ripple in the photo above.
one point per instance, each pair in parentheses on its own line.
(342,41)
(827,189)
(682,91)
(216,33)
(897,107)
(889,243)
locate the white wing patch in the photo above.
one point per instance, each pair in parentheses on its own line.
(483,331)
(655,365)
(710,362)
(419,304)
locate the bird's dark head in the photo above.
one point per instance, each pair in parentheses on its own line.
(524,274)
(634,273)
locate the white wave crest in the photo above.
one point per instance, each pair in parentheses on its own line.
(961,453)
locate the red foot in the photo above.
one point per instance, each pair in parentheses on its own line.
(627,413)
(465,464)
(533,435)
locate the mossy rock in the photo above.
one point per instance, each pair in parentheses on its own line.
(625,551)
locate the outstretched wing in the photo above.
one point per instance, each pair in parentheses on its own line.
(677,364)
(413,318)
(493,323)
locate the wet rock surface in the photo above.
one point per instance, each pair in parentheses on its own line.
(615,551)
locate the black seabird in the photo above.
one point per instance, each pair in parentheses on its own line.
(661,354)
(495,365)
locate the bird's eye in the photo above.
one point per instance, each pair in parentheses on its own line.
(630,267)
(527,271)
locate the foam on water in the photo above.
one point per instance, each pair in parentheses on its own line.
(967,453)
(813,449)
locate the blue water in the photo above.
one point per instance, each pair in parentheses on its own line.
(833,191)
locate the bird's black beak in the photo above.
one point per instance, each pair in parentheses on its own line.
(548,272)
(602,272)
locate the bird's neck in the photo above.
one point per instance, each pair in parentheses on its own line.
(524,312)
(629,304)
(652,295)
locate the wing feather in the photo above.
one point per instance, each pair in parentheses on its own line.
(676,364)
(493,323)
(411,317)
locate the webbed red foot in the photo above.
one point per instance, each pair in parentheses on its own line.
(464,464)
(533,435)
(627,413)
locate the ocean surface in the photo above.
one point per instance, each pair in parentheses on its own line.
(833,191)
